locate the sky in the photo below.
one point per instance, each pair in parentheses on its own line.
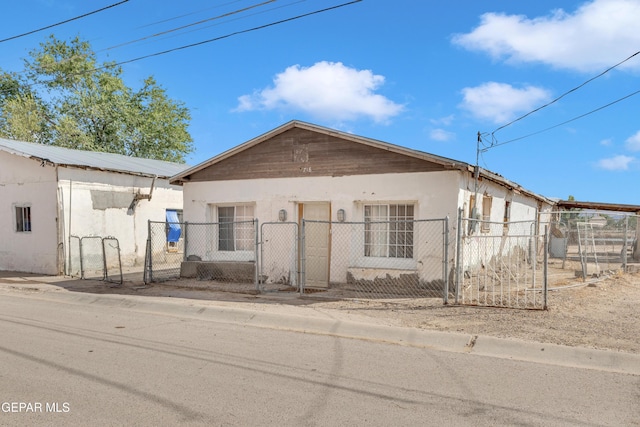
(551,87)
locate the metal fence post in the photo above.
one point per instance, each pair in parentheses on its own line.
(186,241)
(624,244)
(302,257)
(255,255)
(458,266)
(545,284)
(150,251)
(445,261)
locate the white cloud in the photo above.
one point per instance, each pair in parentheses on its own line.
(328,90)
(616,163)
(441,135)
(606,142)
(598,34)
(633,142)
(500,102)
(446,121)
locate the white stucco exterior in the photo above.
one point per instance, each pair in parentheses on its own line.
(69,201)
(434,195)
(24,183)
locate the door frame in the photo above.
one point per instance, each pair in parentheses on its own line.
(302,250)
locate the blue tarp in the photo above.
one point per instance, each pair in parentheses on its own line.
(174,226)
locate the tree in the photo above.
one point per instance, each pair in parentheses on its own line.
(84,105)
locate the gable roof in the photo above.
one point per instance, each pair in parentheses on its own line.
(449,163)
(67,157)
(183,176)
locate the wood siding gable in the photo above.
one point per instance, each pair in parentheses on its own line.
(301,153)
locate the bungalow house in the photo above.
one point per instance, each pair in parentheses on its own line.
(52,196)
(304,171)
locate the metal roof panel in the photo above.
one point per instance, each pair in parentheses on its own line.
(92,159)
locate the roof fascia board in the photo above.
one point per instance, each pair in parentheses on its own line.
(449,163)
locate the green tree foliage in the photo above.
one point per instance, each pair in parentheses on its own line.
(65,98)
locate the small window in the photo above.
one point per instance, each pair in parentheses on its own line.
(507,213)
(236,228)
(472,204)
(486,213)
(23,219)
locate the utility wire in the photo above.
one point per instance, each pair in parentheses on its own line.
(565,122)
(112,65)
(64,22)
(245,16)
(192,24)
(187,14)
(230,34)
(566,93)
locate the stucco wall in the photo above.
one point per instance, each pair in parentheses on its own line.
(96,203)
(25,182)
(434,195)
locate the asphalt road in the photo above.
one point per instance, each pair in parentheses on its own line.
(104,360)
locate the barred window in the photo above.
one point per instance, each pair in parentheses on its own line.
(236,228)
(23,219)
(388,230)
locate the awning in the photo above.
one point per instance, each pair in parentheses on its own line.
(173,235)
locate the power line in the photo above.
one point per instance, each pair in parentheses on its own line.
(227,21)
(566,93)
(230,34)
(187,14)
(64,22)
(111,65)
(224,15)
(563,123)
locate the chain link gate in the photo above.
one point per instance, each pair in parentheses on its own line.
(279,257)
(95,257)
(501,264)
(91,257)
(75,263)
(112,261)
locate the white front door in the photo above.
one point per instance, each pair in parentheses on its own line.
(316,243)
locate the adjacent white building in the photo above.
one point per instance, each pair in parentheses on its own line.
(51,195)
(300,170)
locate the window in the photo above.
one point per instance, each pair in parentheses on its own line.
(507,214)
(472,201)
(23,219)
(236,228)
(388,231)
(486,207)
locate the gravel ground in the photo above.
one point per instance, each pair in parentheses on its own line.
(604,314)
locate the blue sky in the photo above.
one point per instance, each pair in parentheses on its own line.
(422,74)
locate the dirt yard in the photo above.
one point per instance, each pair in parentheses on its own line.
(604,314)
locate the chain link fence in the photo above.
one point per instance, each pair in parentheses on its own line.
(377,260)
(501,264)
(95,257)
(394,259)
(588,244)
(220,252)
